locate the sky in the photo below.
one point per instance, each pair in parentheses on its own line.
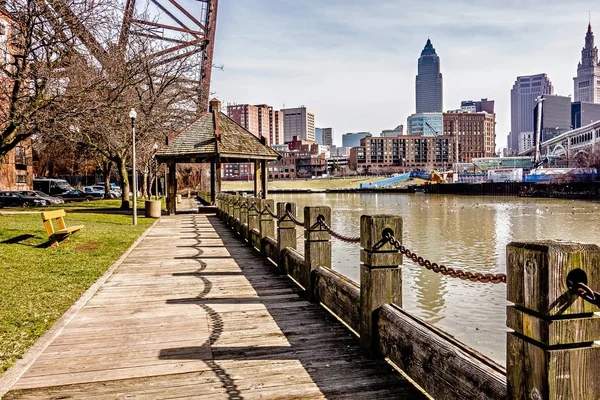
(354,62)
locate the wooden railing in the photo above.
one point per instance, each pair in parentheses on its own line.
(551,351)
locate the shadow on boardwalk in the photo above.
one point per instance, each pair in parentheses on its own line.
(193,312)
(326,350)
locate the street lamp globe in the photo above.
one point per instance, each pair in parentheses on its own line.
(132,114)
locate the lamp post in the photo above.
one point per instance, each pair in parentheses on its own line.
(155,148)
(133,115)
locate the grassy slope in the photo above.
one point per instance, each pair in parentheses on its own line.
(335,183)
(37,285)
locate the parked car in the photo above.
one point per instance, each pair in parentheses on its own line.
(16,199)
(51,186)
(113,192)
(93,191)
(41,195)
(78,195)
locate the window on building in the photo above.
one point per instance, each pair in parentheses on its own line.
(21,178)
(19,155)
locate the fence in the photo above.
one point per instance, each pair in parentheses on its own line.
(551,351)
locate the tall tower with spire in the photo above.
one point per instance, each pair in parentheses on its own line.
(587,81)
(429,88)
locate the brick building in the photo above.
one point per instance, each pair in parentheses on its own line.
(476,133)
(16,167)
(403,153)
(301,159)
(262,121)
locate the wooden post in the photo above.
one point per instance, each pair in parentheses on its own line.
(317,245)
(267,226)
(286,232)
(215,179)
(236,213)
(244,217)
(265,178)
(257,179)
(380,272)
(551,354)
(172,187)
(229,215)
(253,222)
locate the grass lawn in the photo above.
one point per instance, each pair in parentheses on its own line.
(37,284)
(333,183)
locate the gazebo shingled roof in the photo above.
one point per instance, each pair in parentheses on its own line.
(216,138)
(198,142)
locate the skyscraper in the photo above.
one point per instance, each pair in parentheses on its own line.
(587,81)
(429,85)
(319,135)
(298,122)
(522,102)
(328,136)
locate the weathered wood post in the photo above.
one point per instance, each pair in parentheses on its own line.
(317,245)
(253,223)
(380,272)
(267,225)
(230,204)
(551,354)
(286,232)
(237,202)
(243,229)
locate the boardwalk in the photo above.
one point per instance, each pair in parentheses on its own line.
(193,313)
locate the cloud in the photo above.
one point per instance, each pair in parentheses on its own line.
(354,62)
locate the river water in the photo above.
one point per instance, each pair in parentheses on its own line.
(469,233)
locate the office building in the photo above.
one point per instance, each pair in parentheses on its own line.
(403,153)
(319,135)
(587,82)
(352,139)
(522,102)
(425,124)
(478,106)
(397,131)
(328,136)
(556,116)
(583,113)
(300,159)
(298,122)
(429,84)
(263,122)
(476,134)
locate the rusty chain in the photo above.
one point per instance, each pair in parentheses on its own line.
(292,218)
(442,269)
(268,210)
(254,208)
(347,239)
(585,292)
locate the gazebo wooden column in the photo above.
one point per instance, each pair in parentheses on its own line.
(258,173)
(215,179)
(265,178)
(172,187)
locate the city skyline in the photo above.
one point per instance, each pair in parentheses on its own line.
(355,65)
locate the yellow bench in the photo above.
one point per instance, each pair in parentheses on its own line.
(63,231)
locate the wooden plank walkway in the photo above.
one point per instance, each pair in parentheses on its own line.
(193,313)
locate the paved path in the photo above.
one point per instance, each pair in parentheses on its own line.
(193,313)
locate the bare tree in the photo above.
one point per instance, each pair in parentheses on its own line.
(42,50)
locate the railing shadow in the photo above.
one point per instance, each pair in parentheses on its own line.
(325,349)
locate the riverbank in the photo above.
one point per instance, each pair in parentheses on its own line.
(577,190)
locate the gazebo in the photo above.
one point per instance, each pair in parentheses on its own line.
(216,138)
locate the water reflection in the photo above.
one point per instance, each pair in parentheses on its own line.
(463,232)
